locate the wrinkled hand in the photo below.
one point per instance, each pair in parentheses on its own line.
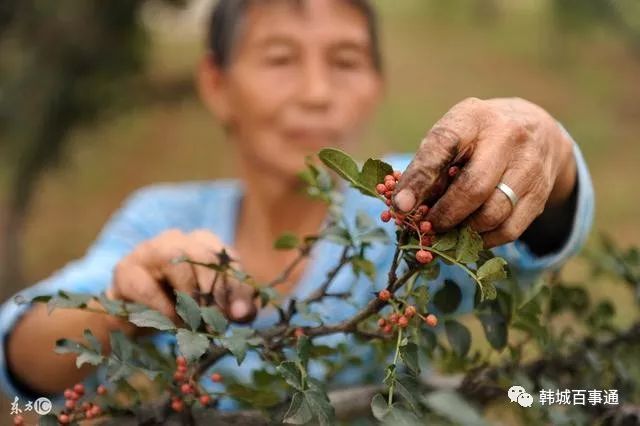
(498,140)
(149,276)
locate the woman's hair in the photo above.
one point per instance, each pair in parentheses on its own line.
(226,20)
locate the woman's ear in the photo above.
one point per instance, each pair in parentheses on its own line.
(212,90)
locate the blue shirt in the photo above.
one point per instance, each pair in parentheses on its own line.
(214,206)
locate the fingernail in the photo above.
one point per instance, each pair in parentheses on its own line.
(405,200)
(239,309)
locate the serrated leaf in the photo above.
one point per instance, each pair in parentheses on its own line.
(291,374)
(495,329)
(113,307)
(214,318)
(450,405)
(286,241)
(151,319)
(94,344)
(320,406)
(68,300)
(89,357)
(469,245)
(458,336)
(191,345)
(238,342)
(373,173)
(258,398)
(303,349)
(448,298)
(446,241)
(364,266)
(66,346)
(409,354)
(188,310)
(379,407)
(341,163)
(375,235)
(299,411)
(121,347)
(492,270)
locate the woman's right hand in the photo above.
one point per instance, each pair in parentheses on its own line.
(149,275)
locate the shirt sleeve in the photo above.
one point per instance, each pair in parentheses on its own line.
(133,223)
(528,265)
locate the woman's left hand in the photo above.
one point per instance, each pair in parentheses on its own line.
(499,140)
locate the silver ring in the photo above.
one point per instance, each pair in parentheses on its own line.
(511,195)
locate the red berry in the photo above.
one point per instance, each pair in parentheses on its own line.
(96,410)
(382,322)
(388,328)
(385,216)
(403,321)
(180,360)
(384,295)
(390,184)
(186,389)
(409,311)
(425,240)
(298,332)
(86,405)
(69,394)
(431,320)
(424,256)
(64,419)
(393,318)
(389,177)
(453,170)
(397,174)
(102,390)
(177,405)
(216,377)
(425,227)
(79,389)
(388,194)
(178,376)
(399,221)
(387,202)
(381,188)
(88,414)
(205,400)
(181,369)
(18,420)
(70,404)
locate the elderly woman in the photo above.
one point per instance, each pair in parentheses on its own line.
(286,78)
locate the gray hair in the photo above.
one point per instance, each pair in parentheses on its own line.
(227,16)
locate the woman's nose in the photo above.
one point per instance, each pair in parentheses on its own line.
(315,91)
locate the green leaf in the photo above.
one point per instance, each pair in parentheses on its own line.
(398,416)
(364,266)
(121,347)
(338,235)
(68,300)
(214,318)
(291,374)
(375,235)
(113,307)
(303,348)
(341,163)
(492,270)
(188,310)
(495,329)
(409,354)
(320,407)
(450,405)
(469,245)
(192,345)
(448,298)
(258,398)
(89,357)
(66,346)
(373,173)
(267,294)
(364,222)
(286,241)
(379,407)
(409,390)
(94,344)
(458,336)
(447,241)
(151,319)
(299,411)
(238,342)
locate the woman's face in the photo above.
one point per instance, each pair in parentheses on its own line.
(301,78)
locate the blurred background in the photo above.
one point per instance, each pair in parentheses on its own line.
(97,99)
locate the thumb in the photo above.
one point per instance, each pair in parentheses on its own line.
(242,306)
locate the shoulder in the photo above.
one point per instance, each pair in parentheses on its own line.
(184,193)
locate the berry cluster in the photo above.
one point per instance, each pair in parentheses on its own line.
(413,220)
(401,318)
(188,389)
(75,409)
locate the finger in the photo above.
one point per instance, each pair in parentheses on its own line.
(451,139)
(134,283)
(473,186)
(498,207)
(527,209)
(234,297)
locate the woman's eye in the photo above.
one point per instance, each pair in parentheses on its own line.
(347,62)
(278,60)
